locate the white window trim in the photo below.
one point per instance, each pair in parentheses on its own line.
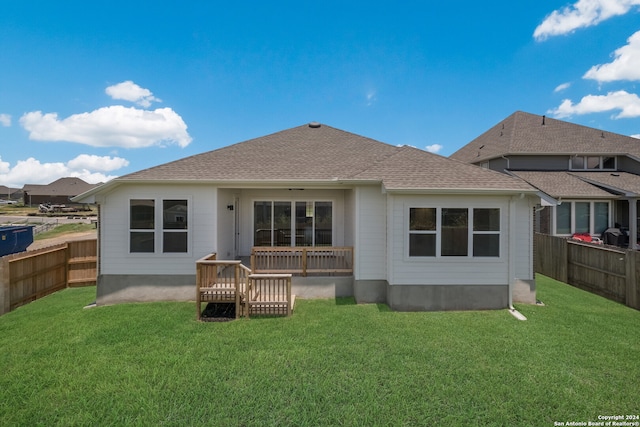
(158,230)
(438,232)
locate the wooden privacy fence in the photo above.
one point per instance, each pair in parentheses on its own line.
(302,260)
(610,272)
(27,276)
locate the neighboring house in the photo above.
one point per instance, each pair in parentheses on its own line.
(427,232)
(10,194)
(58,192)
(590,177)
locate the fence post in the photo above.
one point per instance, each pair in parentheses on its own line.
(5,286)
(631,299)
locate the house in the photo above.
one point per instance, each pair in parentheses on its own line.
(58,192)
(10,195)
(590,178)
(426,232)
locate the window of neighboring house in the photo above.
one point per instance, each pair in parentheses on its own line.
(446,232)
(600,217)
(142,225)
(592,163)
(582,217)
(287,223)
(563,218)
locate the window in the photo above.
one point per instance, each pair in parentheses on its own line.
(563,218)
(455,232)
(486,232)
(287,223)
(581,217)
(174,226)
(592,163)
(422,232)
(141,225)
(446,232)
(143,222)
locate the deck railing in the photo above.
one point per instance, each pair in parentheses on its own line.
(302,260)
(220,281)
(269,294)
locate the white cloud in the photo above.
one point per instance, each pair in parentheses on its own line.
(583,13)
(625,66)
(370,98)
(636,136)
(434,148)
(114,126)
(32,171)
(5,120)
(562,87)
(129,91)
(627,103)
(97,163)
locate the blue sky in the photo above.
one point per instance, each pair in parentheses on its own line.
(101,89)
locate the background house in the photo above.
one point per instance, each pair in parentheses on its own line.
(427,232)
(10,194)
(58,192)
(591,177)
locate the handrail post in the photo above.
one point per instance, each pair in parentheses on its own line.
(304,262)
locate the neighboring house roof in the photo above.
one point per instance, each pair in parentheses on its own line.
(562,184)
(623,183)
(524,133)
(323,154)
(5,191)
(61,187)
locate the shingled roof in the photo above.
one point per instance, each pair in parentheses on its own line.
(70,186)
(322,153)
(525,133)
(562,185)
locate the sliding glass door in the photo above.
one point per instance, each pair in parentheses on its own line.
(289,223)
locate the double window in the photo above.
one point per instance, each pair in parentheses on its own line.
(292,223)
(581,217)
(454,232)
(167,227)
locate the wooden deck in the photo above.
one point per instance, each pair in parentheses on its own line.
(220,281)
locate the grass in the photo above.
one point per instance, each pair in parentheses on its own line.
(65,229)
(332,363)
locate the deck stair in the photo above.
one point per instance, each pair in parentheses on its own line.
(229,281)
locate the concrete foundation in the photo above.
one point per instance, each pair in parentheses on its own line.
(524,291)
(114,289)
(322,286)
(370,291)
(447,297)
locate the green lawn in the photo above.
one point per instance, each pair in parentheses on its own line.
(331,363)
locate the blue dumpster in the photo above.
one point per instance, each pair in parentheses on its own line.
(15,238)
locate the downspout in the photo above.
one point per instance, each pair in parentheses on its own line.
(512,244)
(507,159)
